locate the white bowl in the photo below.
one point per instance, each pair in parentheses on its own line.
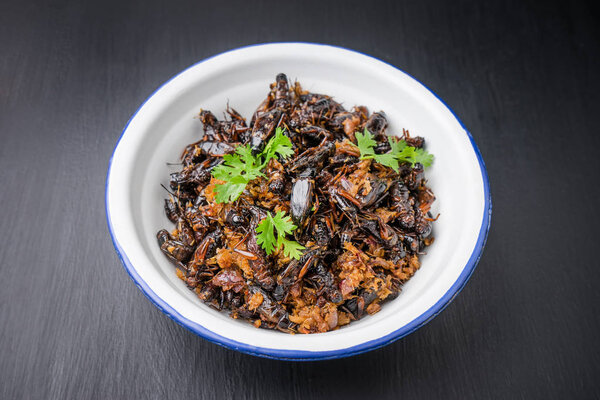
(165,123)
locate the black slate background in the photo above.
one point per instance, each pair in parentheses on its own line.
(522,76)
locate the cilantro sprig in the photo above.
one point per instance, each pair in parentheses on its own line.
(400,152)
(240,168)
(237,170)
(270,242)
(278,144)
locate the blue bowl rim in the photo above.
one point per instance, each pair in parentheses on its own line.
(303,355)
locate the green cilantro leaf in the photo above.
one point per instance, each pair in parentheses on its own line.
(251,163)
(292,249)
(387,159)
(414,155)
(423,157)
(408,154)
(365,144)
(283,223)
(240,168)
(284,226)
(229,192)
(237,170)
(396,145)
(278,144)
(399,152)
(266,234)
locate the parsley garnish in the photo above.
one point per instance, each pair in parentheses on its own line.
(278,144)
(399,152)
(240,168)
(237,170)
(284,226)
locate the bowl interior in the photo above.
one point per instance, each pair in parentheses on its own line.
(167,122)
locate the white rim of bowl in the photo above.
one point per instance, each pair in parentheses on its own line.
(303,355)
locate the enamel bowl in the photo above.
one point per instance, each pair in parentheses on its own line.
(165,123)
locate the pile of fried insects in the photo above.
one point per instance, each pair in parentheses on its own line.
(305,219)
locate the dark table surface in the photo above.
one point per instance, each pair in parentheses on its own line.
(522,76)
